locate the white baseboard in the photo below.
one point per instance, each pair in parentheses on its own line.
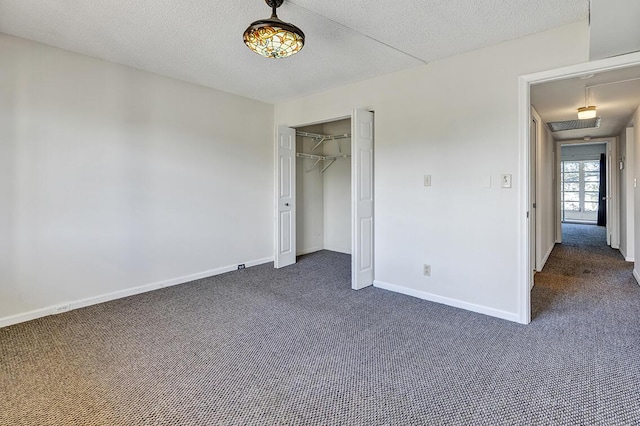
(448,301)
(81,303)
(627,258)
(315,249)
(545,258)
(636,276)
(338,249)
(308,250)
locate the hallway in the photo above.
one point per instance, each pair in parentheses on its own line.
(585,278)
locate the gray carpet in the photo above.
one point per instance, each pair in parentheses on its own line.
(297,346)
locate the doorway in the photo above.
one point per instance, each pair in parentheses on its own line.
(581,187)
(309,156)
(587,191)
(323,187)
(525,110)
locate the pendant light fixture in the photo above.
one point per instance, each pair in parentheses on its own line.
(273,38)
(587,111)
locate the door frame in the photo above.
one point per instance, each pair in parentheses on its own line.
(613,187)
(524,117)
(534,123)
(353,183)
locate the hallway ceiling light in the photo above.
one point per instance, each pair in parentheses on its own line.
(273,38)
(587,112)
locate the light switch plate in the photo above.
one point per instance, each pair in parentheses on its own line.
(505,181)
(427,180)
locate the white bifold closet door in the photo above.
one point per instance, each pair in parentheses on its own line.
(361,198)
(285,229)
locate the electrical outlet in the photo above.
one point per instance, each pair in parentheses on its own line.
(241,266)
(63,308)
(427,270)
(427,180)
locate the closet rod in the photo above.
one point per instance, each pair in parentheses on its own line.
(331,159)
(310,156)
(321,136)
(321,157)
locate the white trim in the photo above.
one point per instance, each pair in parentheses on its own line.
(309,250)
(626,258)
(337,249)
(81,303)
(636,276)
(608,64)
(524,235)
(497,313)
(546,257)
(524,107)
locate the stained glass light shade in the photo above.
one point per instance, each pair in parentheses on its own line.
(273,38)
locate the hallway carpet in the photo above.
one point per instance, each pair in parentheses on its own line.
(296,346)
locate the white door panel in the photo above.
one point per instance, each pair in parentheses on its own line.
(285,232)
(362,199)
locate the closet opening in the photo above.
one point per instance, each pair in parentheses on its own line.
(323,187)
(324,192)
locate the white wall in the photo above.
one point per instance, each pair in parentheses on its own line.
(614,28)
(627,153)
(113,178)
(546,188)
(337,190)
(457,120)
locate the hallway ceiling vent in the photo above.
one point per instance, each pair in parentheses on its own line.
(559,126)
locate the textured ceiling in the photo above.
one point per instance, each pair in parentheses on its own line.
(201,40)
(615,100)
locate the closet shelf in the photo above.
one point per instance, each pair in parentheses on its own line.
(330,158)
(322,138)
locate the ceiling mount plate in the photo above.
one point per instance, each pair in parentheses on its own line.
(277,3)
